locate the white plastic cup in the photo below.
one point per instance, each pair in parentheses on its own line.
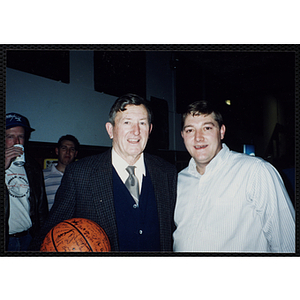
(20,160)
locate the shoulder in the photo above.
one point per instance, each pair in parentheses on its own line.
(253,165)
(47,172)
(33,170)
(231,159)
(158,162)
(91,162)
(245,159)
(188,174)
(184,172)
(32,164)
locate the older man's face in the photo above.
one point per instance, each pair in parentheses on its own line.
(130,132)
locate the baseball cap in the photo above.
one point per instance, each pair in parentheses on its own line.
(14,119)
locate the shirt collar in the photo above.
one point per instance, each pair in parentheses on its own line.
(54,169)
(214,163)
(120,165)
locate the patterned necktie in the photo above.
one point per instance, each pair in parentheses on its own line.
(132,183)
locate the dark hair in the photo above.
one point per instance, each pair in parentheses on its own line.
(202,108)
(71,138)
(128,99)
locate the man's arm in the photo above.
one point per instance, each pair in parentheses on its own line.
(62,209)
(275,208)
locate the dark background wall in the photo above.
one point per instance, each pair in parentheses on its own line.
(70,91)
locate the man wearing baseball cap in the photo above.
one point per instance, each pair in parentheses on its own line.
(26,204)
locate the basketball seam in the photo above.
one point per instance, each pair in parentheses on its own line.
(81,234)
(53,242)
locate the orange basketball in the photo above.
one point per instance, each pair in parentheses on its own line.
(76,235)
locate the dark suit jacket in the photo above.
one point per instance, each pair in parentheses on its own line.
(86,191)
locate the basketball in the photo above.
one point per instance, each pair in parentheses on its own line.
(76,235)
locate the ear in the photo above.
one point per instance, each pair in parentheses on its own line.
(222,131)
(109,129)
(181,133)
(56,151)
(150,128)
(76,153)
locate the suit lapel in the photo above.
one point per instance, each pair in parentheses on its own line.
(102,195)
(102,180)
(158,178)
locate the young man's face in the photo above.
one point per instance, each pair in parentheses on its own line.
(130,132)
(202,138)
(66,152)
(13,136)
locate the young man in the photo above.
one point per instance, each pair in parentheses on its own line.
(66,151)
(25,203)
(135,209)
(228,201)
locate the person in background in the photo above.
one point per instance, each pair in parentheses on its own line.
(66,151)
(26,204)
(129,193)
(228,201)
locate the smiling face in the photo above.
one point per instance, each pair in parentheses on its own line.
(202,138)
(130,132)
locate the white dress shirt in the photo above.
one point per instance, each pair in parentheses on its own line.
(239,204)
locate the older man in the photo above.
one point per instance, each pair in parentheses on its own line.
(129,193)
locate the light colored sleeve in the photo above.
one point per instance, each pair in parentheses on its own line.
(274,207)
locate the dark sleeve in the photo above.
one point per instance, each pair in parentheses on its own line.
(37,197)
(6,217)
(174,195)
(164,179)
(170,201)
(43,209)
(62,209)
(172,192)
